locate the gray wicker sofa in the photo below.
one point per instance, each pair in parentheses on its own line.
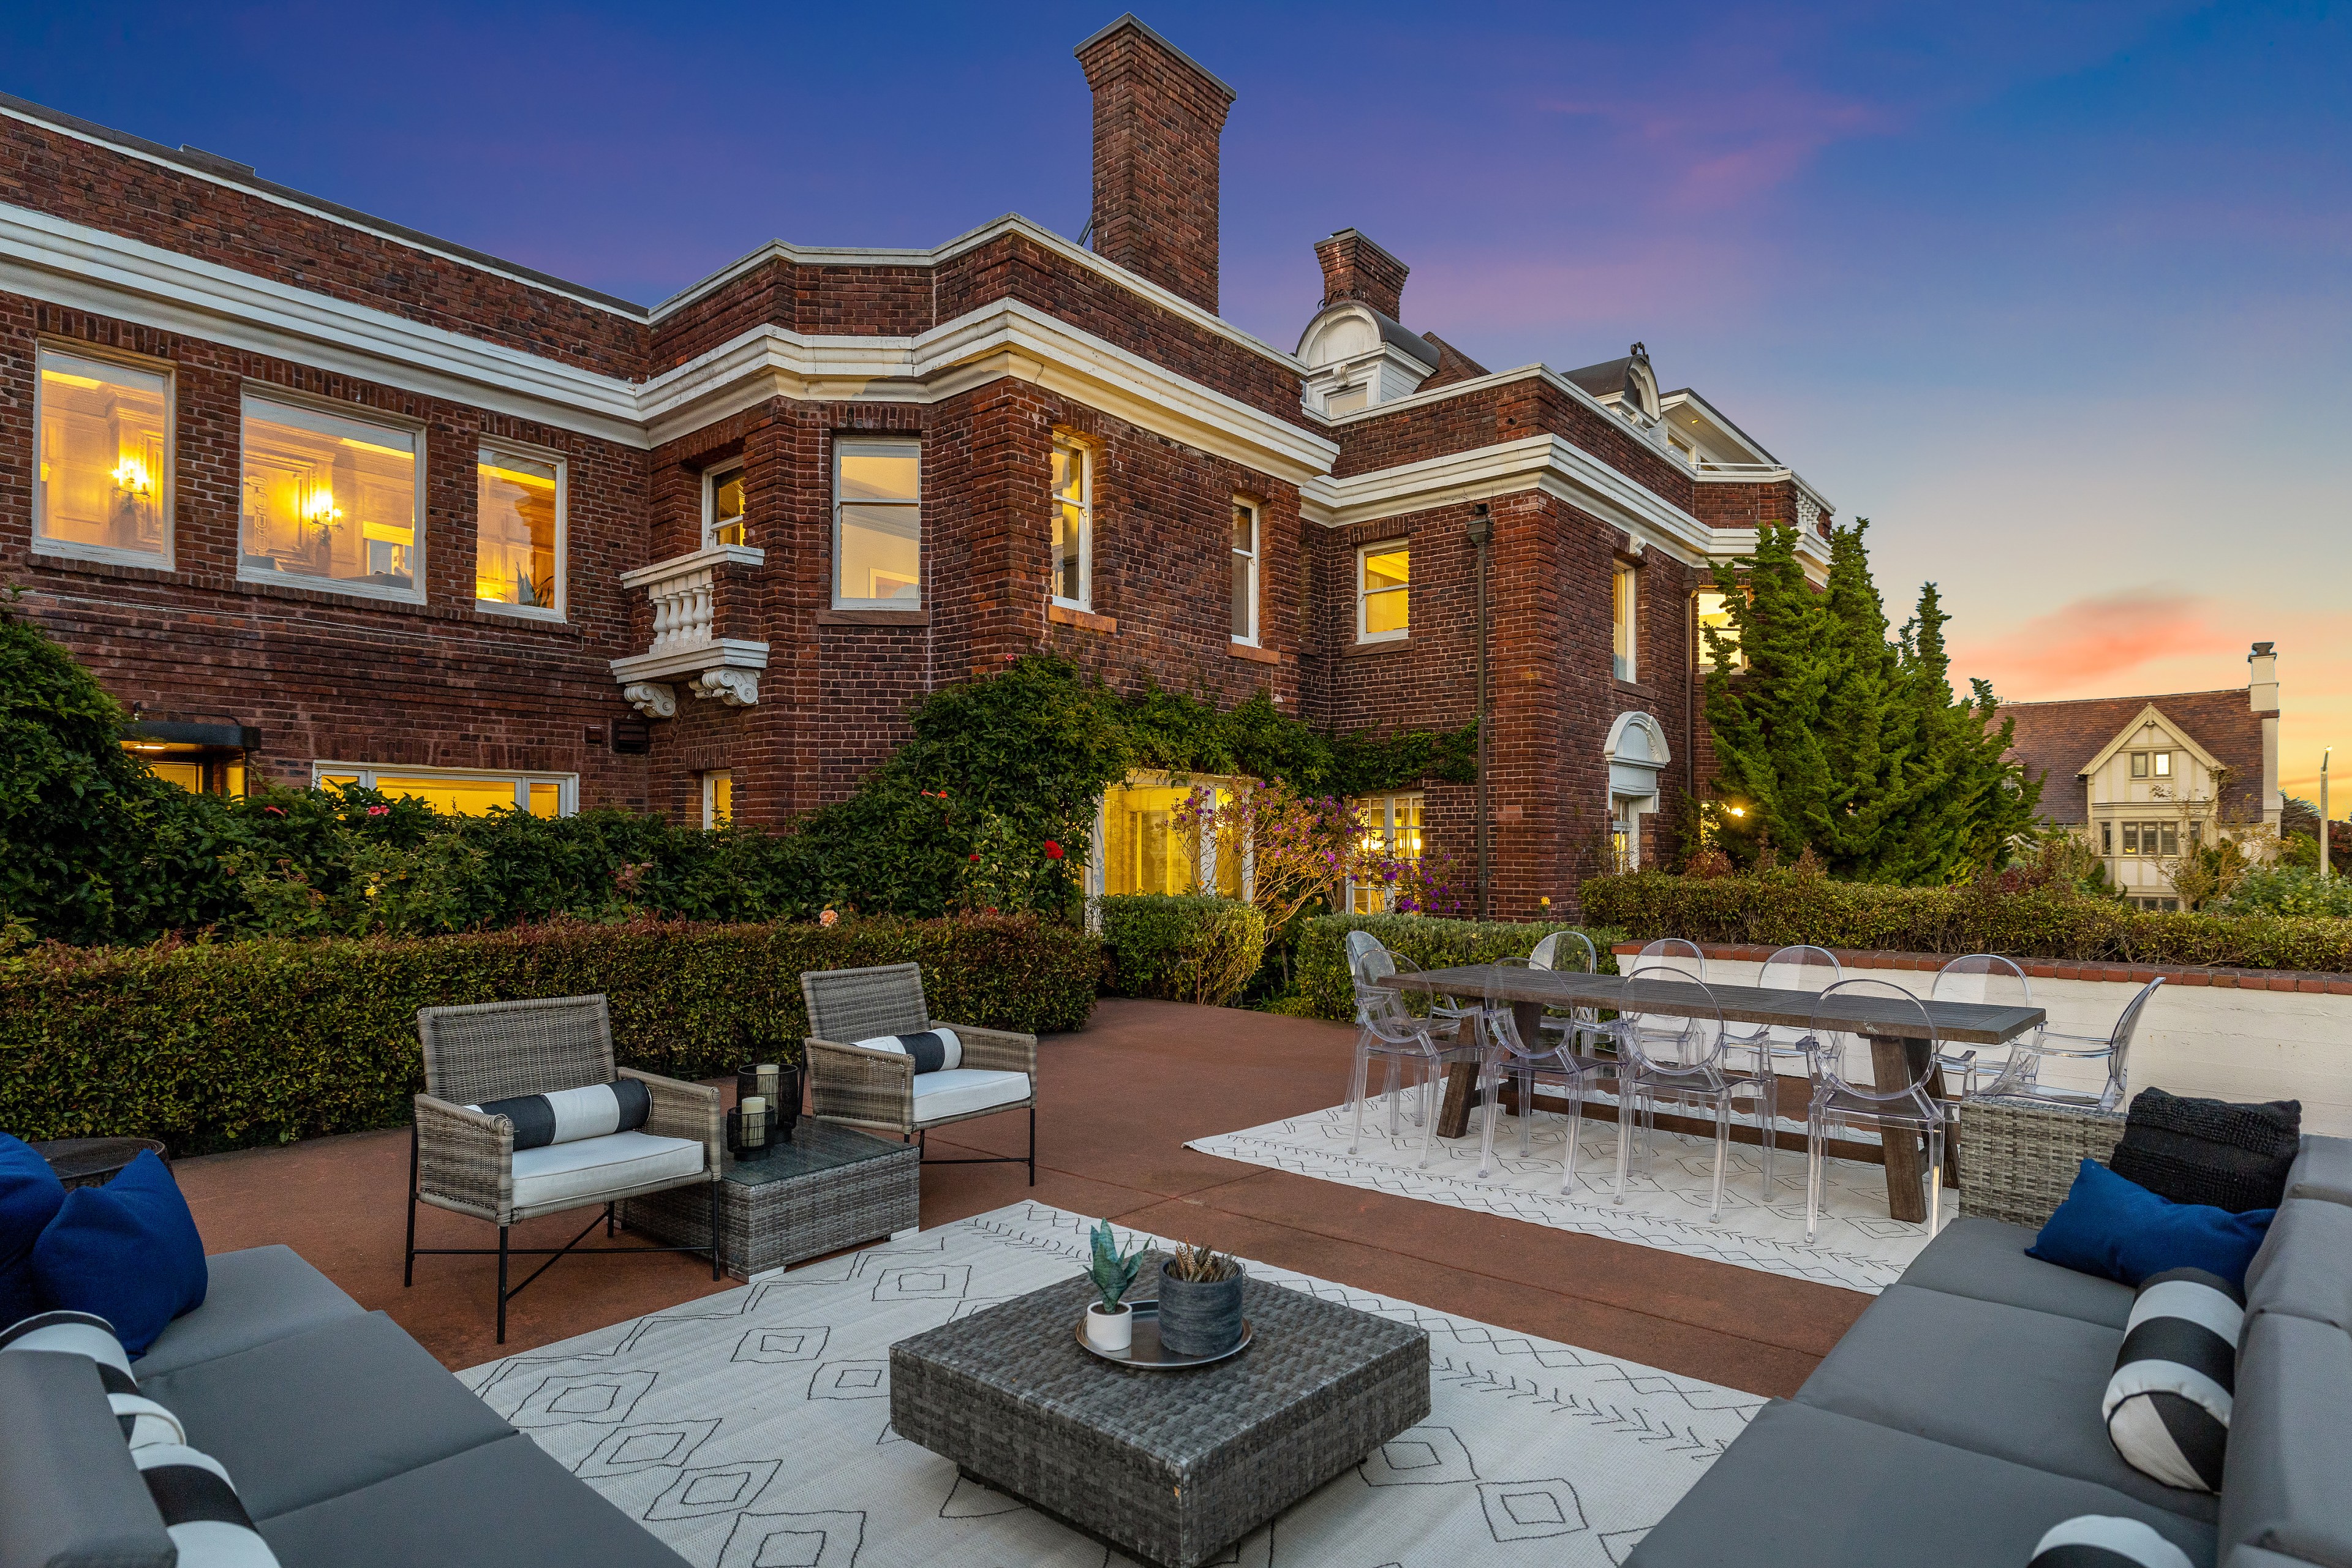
(347,1442)
(1959,1419)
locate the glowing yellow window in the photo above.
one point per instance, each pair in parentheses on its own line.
(329,498)
(105,469)
(717,799)
(722,508)
(878,545)
(1715,613)
(518,532)
(1391,828)
(1383,586)
(459,797)
(1144,850)
(1073,545)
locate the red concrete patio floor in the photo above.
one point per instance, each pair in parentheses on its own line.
(1118,1100)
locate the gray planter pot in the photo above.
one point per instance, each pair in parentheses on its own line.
(1199,1318)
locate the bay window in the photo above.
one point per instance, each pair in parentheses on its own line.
(331,500)
(103,486)
(1073,557)
(877,525)
(1244,571)
(517,533)
(1383,589)
(1149,847)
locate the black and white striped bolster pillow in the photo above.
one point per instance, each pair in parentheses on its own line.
(2104,1541)
(200,1510)
(571,1114)
(86,1334)
(2167,1404)
(934,1050)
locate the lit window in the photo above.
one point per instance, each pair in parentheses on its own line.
(1391,828)
(722,507)
(331,501)
(1383,589)
(105,461)
(1715,613)
(1624,591)
(199,770)
(517,531)
(2163,761)
(717,799)
(461,792)
(1073,525)
(1244,562)
(877,525)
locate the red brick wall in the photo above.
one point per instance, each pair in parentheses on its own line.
(1157,119)
(1356,268)
(1511,412)
(1722,505)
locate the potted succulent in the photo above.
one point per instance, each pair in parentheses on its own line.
(1110,1322)
(1200,1303)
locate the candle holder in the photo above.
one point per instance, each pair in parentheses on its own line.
(749,1133)
(784,1105)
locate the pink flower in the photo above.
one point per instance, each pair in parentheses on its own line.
(378,811)
(273,811)
(828,919)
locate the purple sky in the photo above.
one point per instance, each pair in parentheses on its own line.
(2056,294)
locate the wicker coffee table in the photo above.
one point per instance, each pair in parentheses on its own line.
(1168,1466)
(829,1188)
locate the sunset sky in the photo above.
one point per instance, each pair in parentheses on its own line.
(2056,295)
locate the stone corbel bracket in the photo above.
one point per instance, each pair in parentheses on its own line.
(652,698)
(737,687)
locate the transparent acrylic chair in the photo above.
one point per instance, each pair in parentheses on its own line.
(1679,1058)
(1672,953)
(1387,1029)
(2022,1075)
(1758,1048)
(1569,1062)
(1985,979)
(1567,950)
(1840,1102)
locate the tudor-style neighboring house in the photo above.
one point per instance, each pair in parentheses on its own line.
(2148,780)
(323,498)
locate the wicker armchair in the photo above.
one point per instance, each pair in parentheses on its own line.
(879,1089)
(463,1161)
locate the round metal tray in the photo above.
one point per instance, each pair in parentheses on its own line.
(1147,1352)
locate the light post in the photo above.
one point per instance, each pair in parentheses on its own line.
(1480,530)
(2323,871)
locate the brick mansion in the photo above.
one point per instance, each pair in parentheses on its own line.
(321,497)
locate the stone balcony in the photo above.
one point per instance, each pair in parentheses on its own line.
(684,591)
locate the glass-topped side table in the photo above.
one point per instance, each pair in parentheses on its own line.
(829,1188)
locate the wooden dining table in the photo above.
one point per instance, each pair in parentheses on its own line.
(1899,1045)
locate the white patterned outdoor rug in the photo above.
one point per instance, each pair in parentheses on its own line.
(1858,1246)
(752,1429)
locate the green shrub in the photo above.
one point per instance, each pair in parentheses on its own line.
(214,1046)
(1777,908)
(2290,891)
(1430,942)
(1184,947)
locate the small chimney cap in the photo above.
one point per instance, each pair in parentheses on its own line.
(2261,650)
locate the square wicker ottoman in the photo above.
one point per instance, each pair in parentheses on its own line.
(829,1188)
(1168,1466)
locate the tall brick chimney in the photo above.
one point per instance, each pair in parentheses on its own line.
(1158,116)
(1356,268)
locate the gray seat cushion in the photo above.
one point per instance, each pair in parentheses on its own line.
(2287,1483)
(1985,1259)
(2305,1267)
(302,1419)
(1998,1380)
(2324,1169)
(1807,1487)
(261,1294)
(69,1493)
(498,1506)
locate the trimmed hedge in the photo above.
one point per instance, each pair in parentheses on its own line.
(1182,947)
(1780,908)
(223,1046)
(1429,942)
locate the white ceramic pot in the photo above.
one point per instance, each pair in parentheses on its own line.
(1113,1331)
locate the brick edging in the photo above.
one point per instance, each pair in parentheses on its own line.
(2317,980)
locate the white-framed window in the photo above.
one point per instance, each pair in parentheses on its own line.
(461,792)
(723,506)
(718,799)
(103,490)
(1624,596)
(1073,525)
(1245,568)
(877,525)
(1391,827)
(1625,832)
(331,501)
(1383,592)
(519,532)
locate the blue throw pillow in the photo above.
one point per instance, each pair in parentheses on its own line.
(128,1251)
(2115,1227)
(29,1195)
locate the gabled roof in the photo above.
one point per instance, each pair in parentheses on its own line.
(2059,742)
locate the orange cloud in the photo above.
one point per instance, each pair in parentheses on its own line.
(2088,646)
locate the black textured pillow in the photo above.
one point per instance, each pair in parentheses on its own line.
(2232,1157)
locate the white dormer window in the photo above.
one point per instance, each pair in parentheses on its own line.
(1356,359)
(1346,399)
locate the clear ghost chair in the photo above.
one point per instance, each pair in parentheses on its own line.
(1387,1029)
(1569,951)
(2023,1074)
(1839,1101)
(1546,1061)
(1683,1062)
(1760,1047)
(1667,958)
(1985,979)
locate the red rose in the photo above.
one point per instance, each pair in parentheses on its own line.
(1052,850)
(975,859)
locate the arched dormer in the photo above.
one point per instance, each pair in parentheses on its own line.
(1636,754)
(1641,383)
(1357,357)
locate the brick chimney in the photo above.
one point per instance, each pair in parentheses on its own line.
(1158,116)
(1356,268)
